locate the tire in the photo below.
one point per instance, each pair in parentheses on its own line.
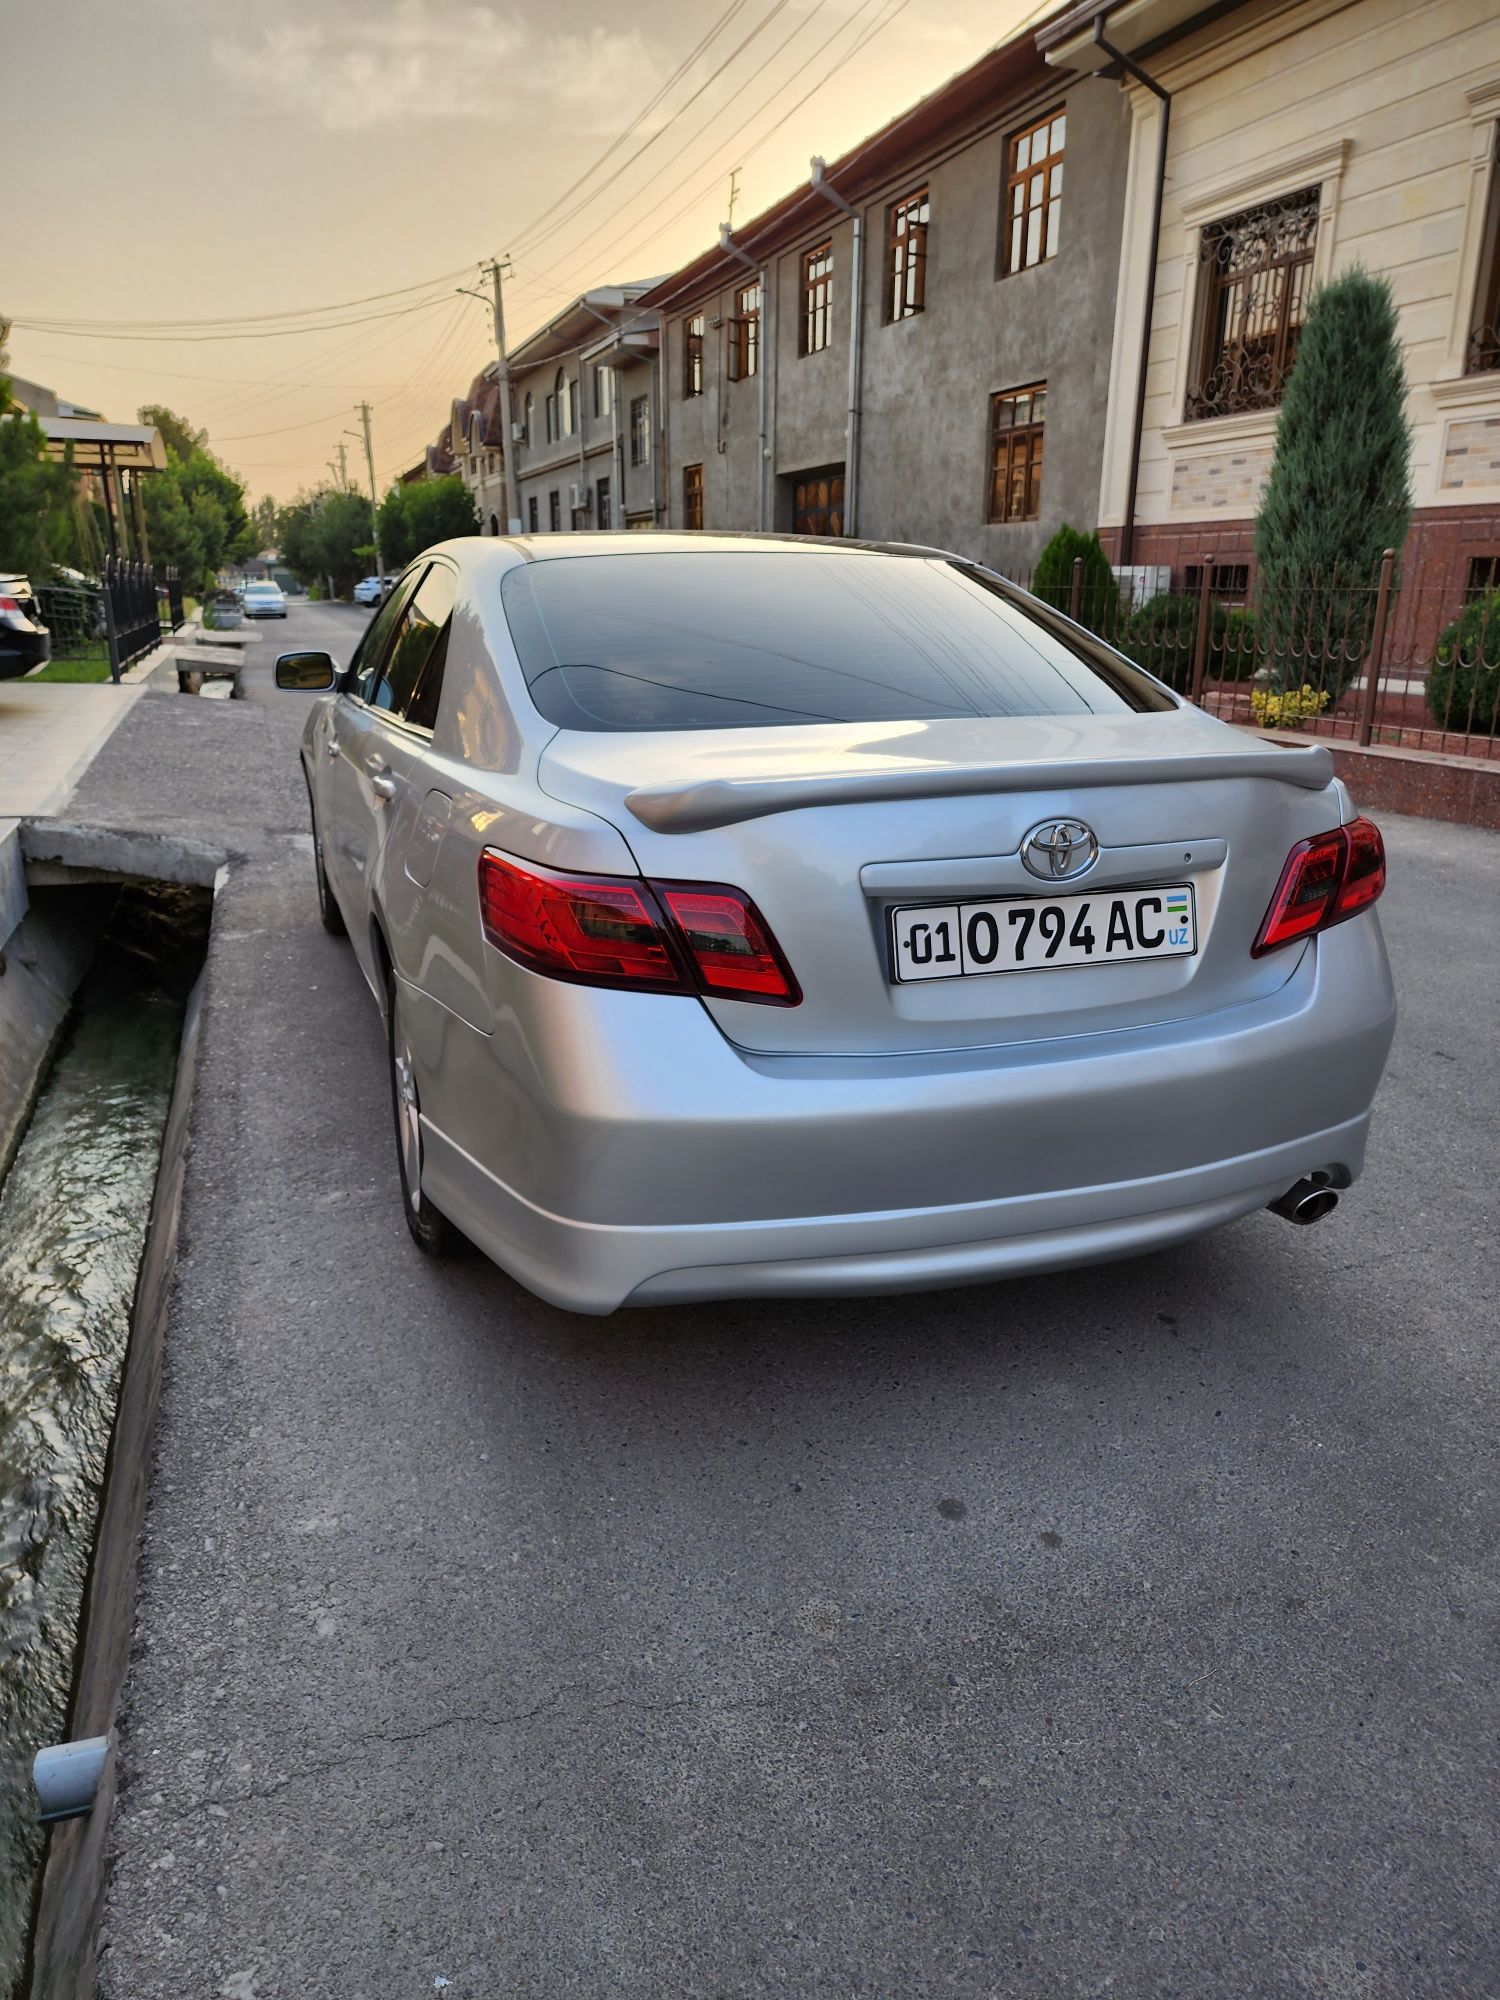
(330,914)
(432,1232)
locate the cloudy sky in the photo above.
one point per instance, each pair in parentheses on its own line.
(190,161)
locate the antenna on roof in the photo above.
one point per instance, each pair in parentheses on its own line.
(734,192)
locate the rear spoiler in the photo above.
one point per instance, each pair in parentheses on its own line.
(726,801)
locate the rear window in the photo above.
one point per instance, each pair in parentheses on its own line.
(743,640)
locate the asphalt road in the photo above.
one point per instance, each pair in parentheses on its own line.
(1126,1632)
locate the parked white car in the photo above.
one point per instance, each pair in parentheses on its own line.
(371,589)
(264,600)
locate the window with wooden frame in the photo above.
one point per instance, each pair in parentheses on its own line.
(817,299)
(818,502)
(1016,417)
(744,334)
(1254,283)
(604,391)
(906,257)
(692,496)
(554,511)
(603,510)
(692,355)
(1032,216)
(1483,351)
(640,430)
(532,519)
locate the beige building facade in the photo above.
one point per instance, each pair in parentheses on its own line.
(1305,137)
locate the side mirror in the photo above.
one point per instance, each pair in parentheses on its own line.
(314,671)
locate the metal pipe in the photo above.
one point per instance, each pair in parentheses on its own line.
(66,1777)
(728,244)
(1305,1203)
(856,343)
(1164,97)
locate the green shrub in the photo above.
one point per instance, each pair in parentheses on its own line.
(1160,635)
(1463,685)
(1099,596)
(1239,655)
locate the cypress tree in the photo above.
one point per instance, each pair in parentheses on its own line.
(1338,492)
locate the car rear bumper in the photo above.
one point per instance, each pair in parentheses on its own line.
(687,1170)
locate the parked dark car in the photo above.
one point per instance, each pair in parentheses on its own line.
(25,641)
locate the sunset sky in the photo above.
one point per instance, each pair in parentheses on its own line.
(209,163)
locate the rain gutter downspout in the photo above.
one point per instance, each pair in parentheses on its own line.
(1164,98)
(856,331)
(762,357)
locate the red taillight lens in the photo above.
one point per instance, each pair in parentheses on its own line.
(613,930)
(730,947)
(1364,877)
(8,604)
(601,931)
(1326,879)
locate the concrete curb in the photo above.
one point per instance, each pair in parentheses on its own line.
(64,1942)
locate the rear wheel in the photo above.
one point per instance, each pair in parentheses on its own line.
(431,1231)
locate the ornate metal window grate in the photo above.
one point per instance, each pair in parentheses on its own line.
(1255,276)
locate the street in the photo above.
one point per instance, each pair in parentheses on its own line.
(1125,1631)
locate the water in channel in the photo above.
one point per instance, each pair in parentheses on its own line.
(73,1216)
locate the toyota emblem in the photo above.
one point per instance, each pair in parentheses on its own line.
(1060,849)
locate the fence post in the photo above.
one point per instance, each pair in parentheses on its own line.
(111,628)
(1200,640)
(1377,651)
(1075,589)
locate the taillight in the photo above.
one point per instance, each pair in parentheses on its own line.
(728,944)
(1326,879)
(614,930)
(8,604)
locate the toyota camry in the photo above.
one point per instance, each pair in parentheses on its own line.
(752,915)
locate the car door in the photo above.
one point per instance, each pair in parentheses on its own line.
(351,815)
(404,704)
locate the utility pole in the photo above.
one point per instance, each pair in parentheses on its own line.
(364,417)
(495,271)
(343,473)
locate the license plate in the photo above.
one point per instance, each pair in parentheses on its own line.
(1033,933)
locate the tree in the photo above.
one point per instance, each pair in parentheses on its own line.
(413,517)
(41,515)
(264,514)
(327,534)
(195,509)
(1052,579)
(1338,492)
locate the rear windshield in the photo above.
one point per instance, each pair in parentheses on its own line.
(746,639)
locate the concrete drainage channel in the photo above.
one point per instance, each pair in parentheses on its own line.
(102,941)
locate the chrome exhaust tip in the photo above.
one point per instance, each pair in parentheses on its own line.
(1306,1203)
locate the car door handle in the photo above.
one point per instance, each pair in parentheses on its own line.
(382,784)
(331,747)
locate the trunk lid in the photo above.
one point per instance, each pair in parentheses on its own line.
(829,828)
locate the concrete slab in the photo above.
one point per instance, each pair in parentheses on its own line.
(50,732)
(12,878)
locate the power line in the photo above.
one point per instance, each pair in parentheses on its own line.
(245,437)
(735,7)
(263,333)
(243,319)
(875,28)
(526,235)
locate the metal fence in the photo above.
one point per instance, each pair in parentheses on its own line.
(1383,659)
(119,620)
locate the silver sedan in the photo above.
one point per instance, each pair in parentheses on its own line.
(754,916)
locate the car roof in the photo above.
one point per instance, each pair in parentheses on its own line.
(504,551)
